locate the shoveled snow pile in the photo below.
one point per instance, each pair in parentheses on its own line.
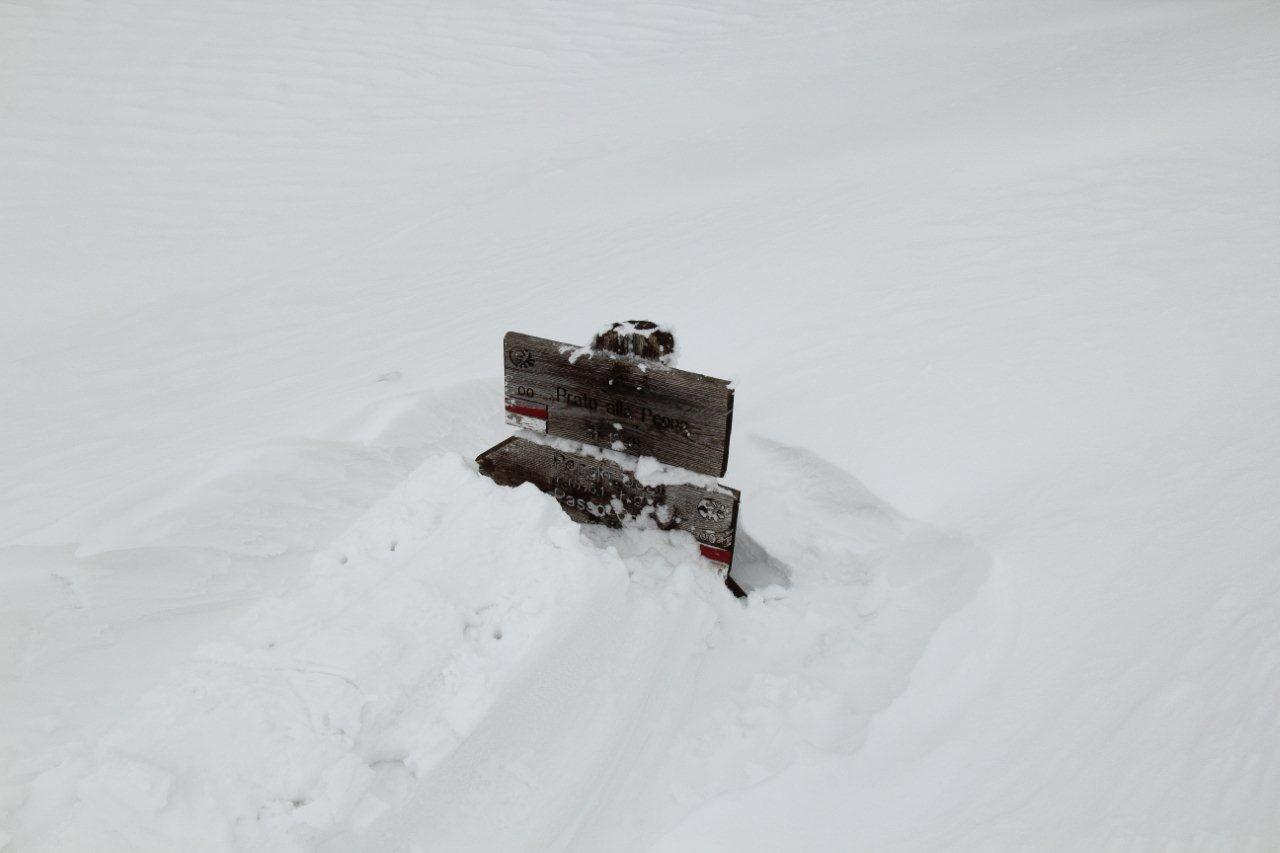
(466,667)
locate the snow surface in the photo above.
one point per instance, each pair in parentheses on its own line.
(998,285)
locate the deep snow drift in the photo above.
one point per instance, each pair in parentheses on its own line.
(468,668)
(997,282)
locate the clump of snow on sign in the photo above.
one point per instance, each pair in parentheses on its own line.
(659,340)
(650,472)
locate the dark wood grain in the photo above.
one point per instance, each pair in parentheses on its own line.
(636,406)
(598,491)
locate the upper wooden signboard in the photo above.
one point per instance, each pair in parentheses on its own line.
(633,405)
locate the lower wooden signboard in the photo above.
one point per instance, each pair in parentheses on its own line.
(600,491)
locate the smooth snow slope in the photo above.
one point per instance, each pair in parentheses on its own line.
(1012,266)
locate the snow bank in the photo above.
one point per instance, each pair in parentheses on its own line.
(468,668)
(327,699)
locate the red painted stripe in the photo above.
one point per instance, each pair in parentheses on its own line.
(720,555)
(528,411)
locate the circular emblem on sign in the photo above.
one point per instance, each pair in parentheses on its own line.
(520,357)
(711,511)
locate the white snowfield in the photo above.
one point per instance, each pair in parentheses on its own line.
(999,286)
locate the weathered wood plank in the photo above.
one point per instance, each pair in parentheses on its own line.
(636,406)
(599,491)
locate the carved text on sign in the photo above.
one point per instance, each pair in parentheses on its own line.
(620,402)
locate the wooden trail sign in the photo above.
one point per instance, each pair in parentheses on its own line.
(600,491)
(621,394)
(629,403)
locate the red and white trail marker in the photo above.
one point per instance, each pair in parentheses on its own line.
(526,416)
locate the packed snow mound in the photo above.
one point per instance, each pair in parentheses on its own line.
(87,627)
(467,668)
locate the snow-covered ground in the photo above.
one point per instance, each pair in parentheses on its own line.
(999,284)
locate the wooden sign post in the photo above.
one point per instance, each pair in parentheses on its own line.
(623,395)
